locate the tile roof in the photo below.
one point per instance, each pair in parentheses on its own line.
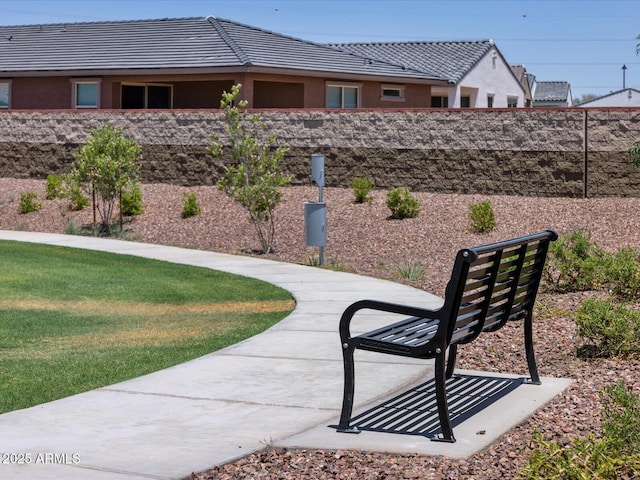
(551,92)
(175,43)
(451,59)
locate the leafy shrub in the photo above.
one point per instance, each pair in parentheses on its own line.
(616,455)
(402,203)
(361,188)
(482,218)
(575,264)
(608,330)
(29,203)
(55,186)
(132,200)
(190,205)
(106,163)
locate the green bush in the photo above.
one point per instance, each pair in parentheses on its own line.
(614,456)
(575,264)
(482,218)
(55,186)
(402,203)
(77,199)
(190,205)
(607,329)
(362,188)
(29,203)
(132,200)
(623,274)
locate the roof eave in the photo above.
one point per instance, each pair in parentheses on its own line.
(221,70)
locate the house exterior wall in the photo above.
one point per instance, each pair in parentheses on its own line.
(491,76)
(624,98)
(536,152)
(204,91)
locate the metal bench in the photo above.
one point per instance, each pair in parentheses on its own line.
(489,286)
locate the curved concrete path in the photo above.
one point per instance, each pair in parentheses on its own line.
(282,387)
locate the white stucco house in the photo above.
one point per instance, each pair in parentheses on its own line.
(477,74)
(628,97)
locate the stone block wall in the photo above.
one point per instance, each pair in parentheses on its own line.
(537,152)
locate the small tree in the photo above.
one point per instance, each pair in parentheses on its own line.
(107,163)
(254,178)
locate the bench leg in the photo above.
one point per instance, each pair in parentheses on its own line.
(441,399)
(347,398)
(451,362)
(528,346)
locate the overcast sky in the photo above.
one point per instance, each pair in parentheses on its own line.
(583,42)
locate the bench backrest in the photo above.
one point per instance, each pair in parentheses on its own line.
(493,284)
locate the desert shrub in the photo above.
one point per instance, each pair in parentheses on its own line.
(54,186)
(608,329)
(575,264)
(362,187)
(614,456)
(132,200)
(413,271)
(482,218)
(190,206)
(621,418)
(402,203)
(77,199)
(623,274)
(29,203)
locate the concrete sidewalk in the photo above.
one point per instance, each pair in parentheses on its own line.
(282,387)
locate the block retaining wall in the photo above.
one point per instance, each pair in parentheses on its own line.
(535,152)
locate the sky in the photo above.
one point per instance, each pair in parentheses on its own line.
(583,42)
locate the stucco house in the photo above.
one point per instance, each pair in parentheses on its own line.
(523,77)
(477,74)
(627,97)
(187,63)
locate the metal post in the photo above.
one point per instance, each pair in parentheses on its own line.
(317,177)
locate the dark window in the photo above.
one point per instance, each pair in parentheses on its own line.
(465,102)
(133,96)
(158,96)
(146,96)
(439,102)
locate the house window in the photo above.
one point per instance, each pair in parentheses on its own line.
(141,96)
(439,102)
(5,94)
(512,102)
(393,92)
(343,96)
(489,101)
(465,101)
(86,93)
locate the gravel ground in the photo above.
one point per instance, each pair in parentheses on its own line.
(362,239)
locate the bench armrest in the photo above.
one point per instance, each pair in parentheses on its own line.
(345,320)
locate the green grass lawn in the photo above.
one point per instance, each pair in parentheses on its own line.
(73,320)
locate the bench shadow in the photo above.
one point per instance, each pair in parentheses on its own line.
(415,412)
